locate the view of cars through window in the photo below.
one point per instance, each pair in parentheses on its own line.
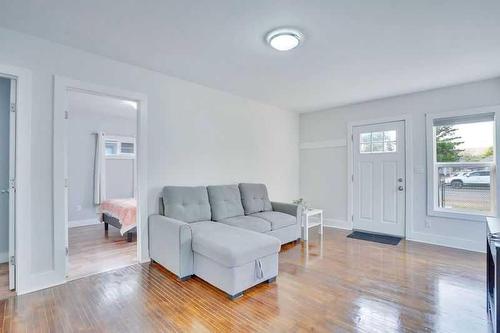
(464,160)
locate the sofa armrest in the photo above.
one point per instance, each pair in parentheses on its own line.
(290,209)
(287,208)
(170,244)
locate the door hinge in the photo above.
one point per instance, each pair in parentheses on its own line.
(66,114)
(12,184)
(352,178)
(12,260)
(66,182)
(67,251)
(13,107)
(352,137)
(352,218)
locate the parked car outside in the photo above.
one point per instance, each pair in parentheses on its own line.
(474,178)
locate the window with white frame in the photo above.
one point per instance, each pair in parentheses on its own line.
(378,142)
(462,169)
(120,147)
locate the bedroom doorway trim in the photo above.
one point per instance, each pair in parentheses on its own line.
(60,140)
(22,205)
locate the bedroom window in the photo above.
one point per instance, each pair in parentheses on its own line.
(120,147)
(461,165)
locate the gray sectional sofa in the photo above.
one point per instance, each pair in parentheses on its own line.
(228,235)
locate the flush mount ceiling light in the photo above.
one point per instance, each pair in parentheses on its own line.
(284,39)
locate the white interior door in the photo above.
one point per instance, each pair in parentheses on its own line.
(12,185)
(379,178)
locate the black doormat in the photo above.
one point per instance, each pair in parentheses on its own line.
(384,239)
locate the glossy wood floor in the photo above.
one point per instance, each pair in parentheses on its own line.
(4,281)
(93,250)
(338,285)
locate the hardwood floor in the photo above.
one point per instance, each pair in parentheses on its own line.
(4,282)
(92,250)
(337,285)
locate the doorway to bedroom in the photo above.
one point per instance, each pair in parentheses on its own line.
(101,183)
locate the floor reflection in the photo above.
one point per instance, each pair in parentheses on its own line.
(377,316)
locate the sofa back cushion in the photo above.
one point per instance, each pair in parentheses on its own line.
(225,201)
(254,198)
(188,204)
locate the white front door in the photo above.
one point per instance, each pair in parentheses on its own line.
(379,178)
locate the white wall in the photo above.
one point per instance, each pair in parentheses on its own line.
(196,135)
(323,172)
(119,178)
(82,126)
(4,167)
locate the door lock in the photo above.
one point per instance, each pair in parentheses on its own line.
(400,180)
(401,188)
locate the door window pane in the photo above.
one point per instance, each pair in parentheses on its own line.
(365,138)
(378,137)
(378,147)
(365,148)
(390,136)
(390,146)
(378,142)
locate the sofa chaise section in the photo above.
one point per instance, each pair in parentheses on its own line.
(233,259)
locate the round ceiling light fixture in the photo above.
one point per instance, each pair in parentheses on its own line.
(284,39)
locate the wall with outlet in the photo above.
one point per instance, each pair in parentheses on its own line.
(89,114)
(323,158)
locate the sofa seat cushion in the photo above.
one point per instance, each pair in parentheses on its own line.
(187,204)
(229,246)
(254,198)
(278,220)
(225,201)
(248,222)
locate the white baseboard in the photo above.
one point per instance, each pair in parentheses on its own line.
(453,242)
(334,223)
(81,223)
(4,257)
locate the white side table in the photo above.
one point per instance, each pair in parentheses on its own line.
(306,225)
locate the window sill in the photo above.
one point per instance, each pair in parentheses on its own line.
(120,157)
(458,215)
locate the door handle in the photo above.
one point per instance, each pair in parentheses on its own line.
(401,188)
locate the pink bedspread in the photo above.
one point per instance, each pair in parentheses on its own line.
(122,209)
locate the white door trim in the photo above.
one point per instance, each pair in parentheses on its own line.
(61,86)
(23,252)
(12,186)
(408,166)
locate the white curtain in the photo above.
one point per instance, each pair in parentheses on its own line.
(100,170)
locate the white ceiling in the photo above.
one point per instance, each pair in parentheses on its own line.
(354,50)
(83,103)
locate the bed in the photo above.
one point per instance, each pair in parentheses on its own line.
(121,214)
